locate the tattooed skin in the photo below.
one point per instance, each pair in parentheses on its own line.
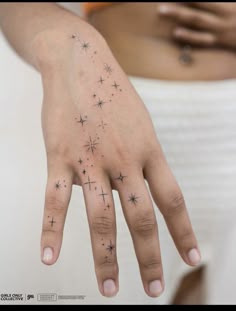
(89,183)
(81,120)
(52,222)
(100,103)
(101,80)
(91,144)
(102,125)
(133,199)
(110,247)
(103,194)
(121,177)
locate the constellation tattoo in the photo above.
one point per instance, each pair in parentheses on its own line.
(81,120)
(52,222)
(103,194)
(80,161)
(133,199)
(91,144)
(102,125)
(115,85)
(85,46)
(110,247)
(101,80)
(100,103)
(108,68)
(121,177)
(89,183)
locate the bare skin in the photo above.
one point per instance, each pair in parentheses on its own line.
(99,135)
(141,31)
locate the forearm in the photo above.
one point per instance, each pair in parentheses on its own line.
(37,30)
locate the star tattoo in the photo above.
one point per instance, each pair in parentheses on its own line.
(91,144)
(103,194)
(102,125)
(84,171)
(133,199)
(101,80)
(52,222)
(108,68)
(89,183)
(82,121)
(115,85)
(80,161)
(57,185)
(85,46)
(110,247)
(121,177)
(100,103)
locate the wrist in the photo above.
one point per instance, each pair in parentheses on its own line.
(53,49)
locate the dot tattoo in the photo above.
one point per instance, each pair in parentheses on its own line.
(103,194)
(110,247)
(91,144)
(84,172)
(101,80)
(89,183)
(108,68)
(52,222)
(121,177)
(94,95)
(133,199)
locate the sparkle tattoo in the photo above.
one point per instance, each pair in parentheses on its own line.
(115,85)
(110,247)
(103,194)
(81,120)
(102,125)
(91,144)
(121,177)
(100,103)
(85,46)
(58,185)
(133,199)
(52,222)
(101,80)
(108,68)
(89,183)
(80,161)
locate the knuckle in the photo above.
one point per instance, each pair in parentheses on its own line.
(54,204)
(145,226)
(186,237)
(103,225)
(194,19)
(152,264)
(175,206)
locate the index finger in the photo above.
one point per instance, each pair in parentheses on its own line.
(213,7)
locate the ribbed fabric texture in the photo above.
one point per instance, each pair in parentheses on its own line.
(196,125)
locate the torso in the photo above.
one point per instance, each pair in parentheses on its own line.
(142,43)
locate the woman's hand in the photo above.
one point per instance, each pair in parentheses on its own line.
(204,24)
(99,135)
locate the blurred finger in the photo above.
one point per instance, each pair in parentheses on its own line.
(194,37)
(191,17)
(170,201)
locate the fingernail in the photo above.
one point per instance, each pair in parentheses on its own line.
(164,9)
(109,288)
(47,254)
(194,256)
(155,288)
